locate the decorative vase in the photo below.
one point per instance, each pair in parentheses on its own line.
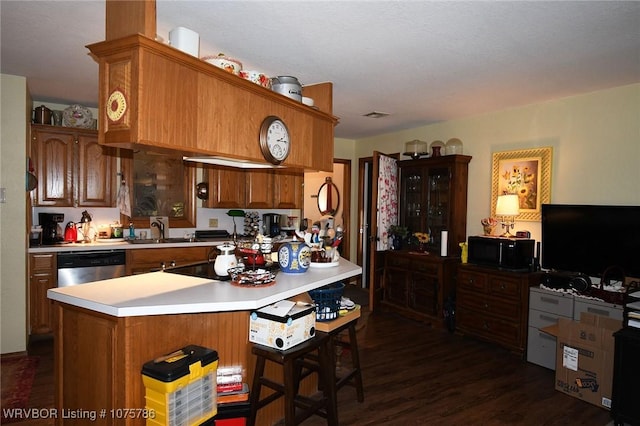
(294,257)
(422,248)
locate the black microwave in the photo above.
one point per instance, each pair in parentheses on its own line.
(513,254)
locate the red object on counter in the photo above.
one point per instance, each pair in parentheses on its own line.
(71,232)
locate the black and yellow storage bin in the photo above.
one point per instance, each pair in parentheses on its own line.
(180,387)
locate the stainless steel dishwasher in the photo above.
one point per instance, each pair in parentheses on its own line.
(80,267)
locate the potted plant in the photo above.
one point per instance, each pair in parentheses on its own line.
(397,234)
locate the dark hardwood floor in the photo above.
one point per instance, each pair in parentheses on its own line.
(417,375)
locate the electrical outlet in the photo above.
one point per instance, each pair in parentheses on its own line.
(213,223)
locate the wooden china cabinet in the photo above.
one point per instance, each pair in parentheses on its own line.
(433,198)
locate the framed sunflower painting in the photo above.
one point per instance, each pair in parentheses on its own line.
(526,173)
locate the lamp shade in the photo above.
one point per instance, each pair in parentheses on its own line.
(507,205)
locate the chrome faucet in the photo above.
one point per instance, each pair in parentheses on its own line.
(160,226)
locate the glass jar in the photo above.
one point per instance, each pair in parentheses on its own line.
(453,147)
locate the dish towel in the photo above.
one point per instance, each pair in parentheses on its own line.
(124,202)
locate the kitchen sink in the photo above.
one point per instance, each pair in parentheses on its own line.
(166,241)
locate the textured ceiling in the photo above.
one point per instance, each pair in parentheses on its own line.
(420,61)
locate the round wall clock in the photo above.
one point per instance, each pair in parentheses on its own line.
(275,141)
(116,105)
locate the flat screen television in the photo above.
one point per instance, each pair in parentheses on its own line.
(590,238)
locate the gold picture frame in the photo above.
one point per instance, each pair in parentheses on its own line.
(525,172)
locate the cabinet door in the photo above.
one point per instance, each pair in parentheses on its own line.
(259,189)
(424,287)
(54,162)
(437,209)
(412,196)
(96,178)
(288,190)
(227,187)
(42,277)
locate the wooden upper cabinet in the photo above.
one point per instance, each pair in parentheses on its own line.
(259,189)
(288,189)
(95,181)
(226,187)
(168,99)
(73,170)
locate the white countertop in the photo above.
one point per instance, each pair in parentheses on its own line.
(112,245)
(160,293)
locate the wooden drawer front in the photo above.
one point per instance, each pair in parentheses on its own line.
(504,287)
(424,268)
(489,327)
(398,262)
(43,263)
(489,305)
(187,254)
(559,304)
(472,281)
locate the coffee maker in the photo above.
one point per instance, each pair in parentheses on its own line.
(271,224)
(51,230)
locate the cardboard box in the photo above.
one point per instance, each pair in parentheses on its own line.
(283,324)
(584,357)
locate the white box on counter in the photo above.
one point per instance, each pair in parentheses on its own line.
(283,324)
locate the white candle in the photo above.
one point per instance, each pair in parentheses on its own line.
(443,243)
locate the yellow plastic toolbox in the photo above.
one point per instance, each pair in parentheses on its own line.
(180,388)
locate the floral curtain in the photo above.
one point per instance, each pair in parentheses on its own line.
(387,199)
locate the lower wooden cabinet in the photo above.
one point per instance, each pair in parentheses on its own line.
(144,260)
(493,305)
(43,275)
(417,285)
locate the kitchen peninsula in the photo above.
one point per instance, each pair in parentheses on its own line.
(105,331)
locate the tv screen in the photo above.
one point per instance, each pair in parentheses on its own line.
(590,238)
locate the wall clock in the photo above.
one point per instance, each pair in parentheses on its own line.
(116,105)
(275,142)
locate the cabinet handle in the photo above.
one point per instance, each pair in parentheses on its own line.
(173,263)
(549,300)
(486,306)
(485,325)
(163,265)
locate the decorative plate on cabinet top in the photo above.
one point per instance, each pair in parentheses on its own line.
(78,116)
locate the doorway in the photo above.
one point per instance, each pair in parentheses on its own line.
(369,255)
(341,177)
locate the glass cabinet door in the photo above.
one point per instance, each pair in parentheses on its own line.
(438,204)
(412,199)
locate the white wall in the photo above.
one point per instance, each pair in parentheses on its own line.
(15,109)
(595,139)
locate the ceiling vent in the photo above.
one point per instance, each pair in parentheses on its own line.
(376,114)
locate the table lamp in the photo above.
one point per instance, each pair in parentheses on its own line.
(507,208)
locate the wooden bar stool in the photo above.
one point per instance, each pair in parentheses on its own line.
(290,361)
(333,329)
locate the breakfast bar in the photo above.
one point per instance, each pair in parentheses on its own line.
(105,331)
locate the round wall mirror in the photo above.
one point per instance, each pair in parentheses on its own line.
(328,198)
